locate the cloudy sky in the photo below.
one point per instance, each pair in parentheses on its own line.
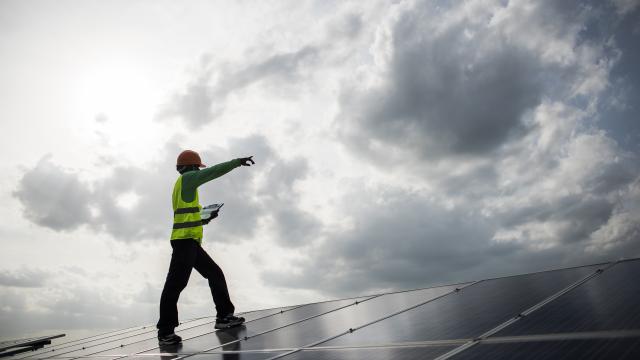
(399,144)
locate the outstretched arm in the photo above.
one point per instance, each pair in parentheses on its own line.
(210,173)
(192,179)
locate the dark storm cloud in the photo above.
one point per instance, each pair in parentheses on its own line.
(461,82)
(582,211)
(246,199)
(624,7)
(582,207)
(403,240)
(527,182)
(54,197)
(205,97)
(444,92)
(619,111)
(28,278)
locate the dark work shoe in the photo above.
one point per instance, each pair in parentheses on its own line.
(170,339)
(228,321)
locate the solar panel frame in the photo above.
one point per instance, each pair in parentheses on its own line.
(601,304)
(333,309)
(599,270)
(98,337)
(154,340)
(615,348)
(288,337)
(456,348)
(453,289)
(473,313)
(369,353)
(12,347)
(143,332)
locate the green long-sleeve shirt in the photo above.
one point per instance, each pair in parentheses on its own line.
(192,179)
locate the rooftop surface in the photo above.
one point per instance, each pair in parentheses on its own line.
(587,312)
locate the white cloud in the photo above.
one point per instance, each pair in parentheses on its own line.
(398,145)
(53,197)
(550,189)
(133,204)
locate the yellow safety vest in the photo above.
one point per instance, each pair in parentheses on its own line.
(187,223)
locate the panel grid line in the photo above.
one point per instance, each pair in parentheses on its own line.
(152,330)
(526,312)
(50,350)
(280,327)
(84,340)
(591,335)
(207,323)
(486,337)
(351,330)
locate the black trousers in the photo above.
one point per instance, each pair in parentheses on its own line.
(188,254)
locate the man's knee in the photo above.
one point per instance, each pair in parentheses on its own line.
(177,281)
(213,274)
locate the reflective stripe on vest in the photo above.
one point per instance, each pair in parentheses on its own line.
(187,223)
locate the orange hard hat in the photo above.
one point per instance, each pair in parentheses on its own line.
(189,157)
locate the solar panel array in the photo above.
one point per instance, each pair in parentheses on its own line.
(13,347)
(588,312)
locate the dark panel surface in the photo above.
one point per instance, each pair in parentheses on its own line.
(609,301)
(337,322)
(211,356)
(405,353)
(468,313)
(213,339)
(619,349)
(71,345)
(65,342)
(57,348)
(239,356)
(148,340)
(101,343)
(252,313)
(9,344)
(71,358)
(13,347)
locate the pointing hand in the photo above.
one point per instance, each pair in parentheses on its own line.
(246,161)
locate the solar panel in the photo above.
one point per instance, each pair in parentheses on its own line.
(149,340)
(11,347)
(379,353)
(112,336)
(235,356)
(606,302)
(337,322)
(72,342)
(587,312)
(108,342)
(468,313)
(210,340)
(619,349)
(227,355)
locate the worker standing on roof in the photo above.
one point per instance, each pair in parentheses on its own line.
(186,240)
